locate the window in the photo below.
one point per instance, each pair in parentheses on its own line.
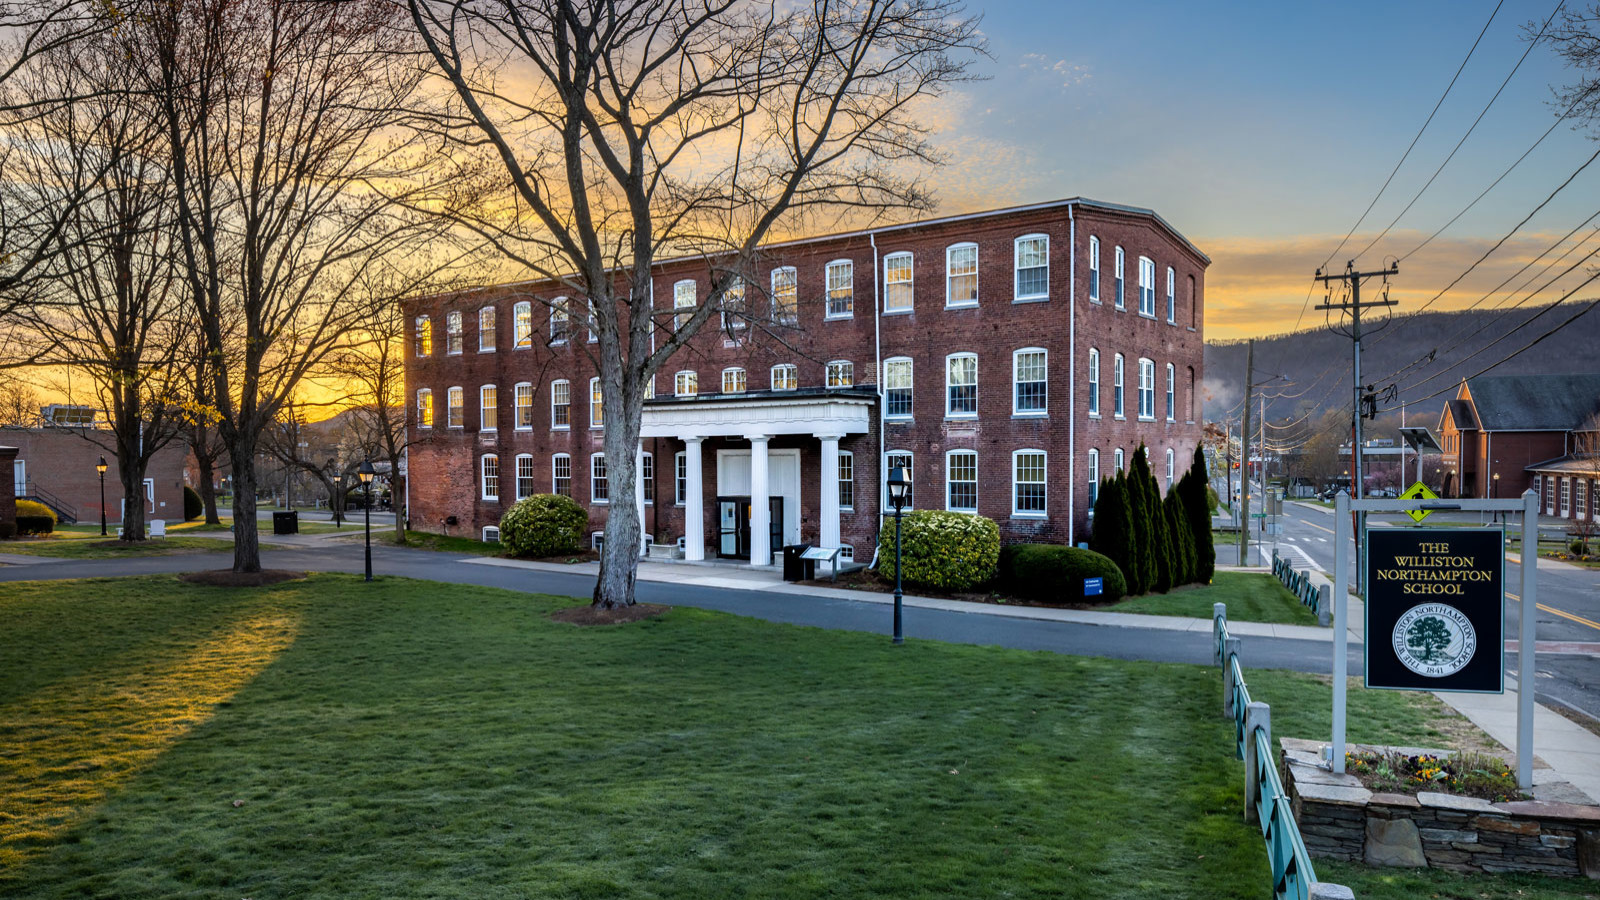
(897,286)
(525,487)
(841,289)
(1094,268)
(1033,267)
(486,330)
(452,333)
(785,377)
(650,388)
(1171,466)
(733,381)
(685,384)
(1093,478)
(1027,483)
(1028,394)
(961,385)
(841,374)
(560,320)
(1117,409)
(733,310)
(1172,297)
(488,408)
(424,408)
(902,459)
(1117,458)
(1147,390)
(1188,398)
(1172,393)
(1119,297)
(683,301)
(424,336)
(522,325)
(961,275)
(588,322)
(523,397)
(1147,287)
(785,296)
(961,481)
(455,412)
(489,467)
(847,480)
(1094,382)
(847,553)
(680,478)
(897,388)
(1566,495)
(1583,498)
(597,405)
(561,475)
(647,477)
(561,404)
(599,485)
(1194,308)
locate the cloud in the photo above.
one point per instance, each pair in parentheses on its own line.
(1068,74)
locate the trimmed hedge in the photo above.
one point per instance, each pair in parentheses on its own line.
(35,508)
(193,506)
(1053,574)
(947,551)
(34,517)
(544,525)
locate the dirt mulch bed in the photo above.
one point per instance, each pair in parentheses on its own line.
(230,578)
(866,580)
(591,615)
(581,556)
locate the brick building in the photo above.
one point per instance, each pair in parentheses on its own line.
(56,466)
(1503,434)
(1008,359)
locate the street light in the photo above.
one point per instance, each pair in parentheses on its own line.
(898,487)
(101,468)
(1494,491)
(338,499)
(365,473)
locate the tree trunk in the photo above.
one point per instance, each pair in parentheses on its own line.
(131,474)
(619,555)
(205,467)
(396,493)
(246,536)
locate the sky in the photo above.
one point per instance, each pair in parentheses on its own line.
(1263,130)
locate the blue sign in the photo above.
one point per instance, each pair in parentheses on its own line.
(1093,587)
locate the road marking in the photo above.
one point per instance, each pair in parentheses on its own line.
(1315,525)
(1559,612)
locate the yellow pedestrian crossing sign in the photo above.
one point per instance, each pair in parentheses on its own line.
(1419,491)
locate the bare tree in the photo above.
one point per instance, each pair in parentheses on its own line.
(634,131)
(282,121)
(1586,468)
(19,405)
(1574,36)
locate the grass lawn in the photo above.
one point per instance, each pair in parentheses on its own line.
(332,738)
(111,548)
(446,543)
(1251,597)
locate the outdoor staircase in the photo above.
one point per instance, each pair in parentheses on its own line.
(66,513)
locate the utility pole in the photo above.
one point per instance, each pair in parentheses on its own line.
(1244,453)
(1362,404)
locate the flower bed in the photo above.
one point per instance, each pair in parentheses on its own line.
(1466,774)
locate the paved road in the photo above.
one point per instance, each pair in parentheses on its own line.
(958,627)
(1568,603)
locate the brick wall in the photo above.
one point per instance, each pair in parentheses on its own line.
(62,462)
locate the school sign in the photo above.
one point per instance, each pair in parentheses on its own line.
(1436,609)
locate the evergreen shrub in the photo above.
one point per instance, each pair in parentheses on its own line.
(544,525)
(1054,574)
(193,506)
(1112,536)
(947,551)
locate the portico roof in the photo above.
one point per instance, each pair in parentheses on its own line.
(815,411)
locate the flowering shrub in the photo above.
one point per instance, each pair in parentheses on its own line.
(1471,774)
(543,525)
(947,551)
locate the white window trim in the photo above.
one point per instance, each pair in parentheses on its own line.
(730,331)
(1147,365)
(554,487)
(681,313)
(950,303)
(563,306)
(677,381)
(1119,282)
(593,425)
(794,315)
(553,425)
(1092,477)
(1172,296)
(593,480)
(1172,393)
(1016,270)
(460,332)
(680,460)
(447,407)
(911,459)
(838,479)
(947,481)
(516,411)
(912,283)
(1120,460)
(647,459)
(1171,466)
(1094,383)
(1030,514)
(1094,269)
(899,417)
(827,291)
(772,377)
(428,422)
(516,339)
(1119,370)
(483,477)
(730,370)
(1147,266)
(493,329)
(1030,413)
(496,407)
(947,385)
(422,326)
(516,489)
(827,373)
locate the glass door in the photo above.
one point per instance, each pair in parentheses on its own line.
(733,527)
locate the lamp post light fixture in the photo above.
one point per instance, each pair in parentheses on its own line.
(1494,491)
(365,473)
(101,468)
(338,499)
(899,485)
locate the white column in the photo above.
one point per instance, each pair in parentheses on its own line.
(760,511)
(638,497)
(828,530)
(694,505)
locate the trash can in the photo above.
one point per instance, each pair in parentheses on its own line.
(795,568)
(286,522)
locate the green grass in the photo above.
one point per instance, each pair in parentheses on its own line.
(331,738)
(1251,597)
(447,543)
(111,548)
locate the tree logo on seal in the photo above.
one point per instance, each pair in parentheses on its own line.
(1434,639)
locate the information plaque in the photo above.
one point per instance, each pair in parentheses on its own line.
(1436,609)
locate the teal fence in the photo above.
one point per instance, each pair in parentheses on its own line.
(1266,801)
(1314,597)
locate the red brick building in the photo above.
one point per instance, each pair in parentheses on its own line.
(56,466)
(1008,359)
(1503,434)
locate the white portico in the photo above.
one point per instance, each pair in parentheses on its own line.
(760,473)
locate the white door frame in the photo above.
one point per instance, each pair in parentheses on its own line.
(791,498)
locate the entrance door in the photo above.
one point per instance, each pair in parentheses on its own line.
(19,477)
(733,527)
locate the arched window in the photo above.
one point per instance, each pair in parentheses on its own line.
(685,383)
(489,468)
(897,388)
(1032,259)
(1117,408)
(733,380)
(1094,382)
(961,275)
(1117,459)
(1028,388)
(488,408)
(961,385)
(785,377)
(1028,483)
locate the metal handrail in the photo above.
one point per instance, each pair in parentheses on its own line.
(63,510)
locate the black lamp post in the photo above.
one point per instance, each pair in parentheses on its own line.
(338,499)
(1494,492)
(101,468)
(898,486)
(365,473)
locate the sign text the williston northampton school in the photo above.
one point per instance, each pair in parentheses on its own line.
(1436,609)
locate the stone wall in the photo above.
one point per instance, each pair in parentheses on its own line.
(1340,819)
